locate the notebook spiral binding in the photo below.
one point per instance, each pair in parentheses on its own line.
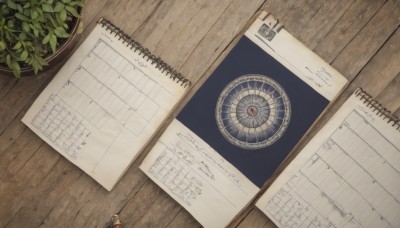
(147,55)
(376,106)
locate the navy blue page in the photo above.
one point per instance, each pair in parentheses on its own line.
(247,58)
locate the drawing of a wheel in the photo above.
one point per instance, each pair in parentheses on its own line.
(253,111)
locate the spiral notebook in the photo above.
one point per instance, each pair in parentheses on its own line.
(242,123)
(348,175)
(106,103)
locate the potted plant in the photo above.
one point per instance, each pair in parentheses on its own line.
(36,33)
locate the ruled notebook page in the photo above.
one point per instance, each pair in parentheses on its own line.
(103,106)
(347,176)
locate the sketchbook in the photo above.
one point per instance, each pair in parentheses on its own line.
(242,123)
(106,103)
(348,175)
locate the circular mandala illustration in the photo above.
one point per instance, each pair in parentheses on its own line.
(253,111)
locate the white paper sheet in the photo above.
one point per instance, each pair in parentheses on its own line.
(103,107)
(197,177)
(347,176)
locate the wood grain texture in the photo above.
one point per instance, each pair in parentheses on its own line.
(40,188)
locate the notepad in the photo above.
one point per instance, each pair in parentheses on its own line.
(106,103)
(242,123)
(348,175)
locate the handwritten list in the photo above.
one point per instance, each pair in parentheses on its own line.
(197,177)
(351,179)
(103,106)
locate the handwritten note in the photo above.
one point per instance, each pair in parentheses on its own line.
(103,107)
(305,64)
(197,177)
(347,176)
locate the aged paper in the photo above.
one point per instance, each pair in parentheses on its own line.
(197,177)
(347,176)
(103,106)
(286,49)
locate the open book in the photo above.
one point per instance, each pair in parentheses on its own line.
(106,103)
(348,175)
(242,123)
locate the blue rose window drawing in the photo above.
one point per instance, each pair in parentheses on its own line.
(253,111)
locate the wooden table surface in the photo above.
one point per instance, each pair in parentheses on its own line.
(38,187)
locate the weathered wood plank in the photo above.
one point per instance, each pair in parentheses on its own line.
(45,196)
(382,68)
(297,17)
(129,15)
(15,157)
(180,45)
(16,190)
(139,203)
(348,26)
(183,219)
(6,84)
(102,203)
(218,37)
(71,202)
(390,96)
(11,133)
(323,21)
(367,42)
(255,218)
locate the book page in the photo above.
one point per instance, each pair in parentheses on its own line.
(197,177)
(103,106)
(347,176)
(285,48)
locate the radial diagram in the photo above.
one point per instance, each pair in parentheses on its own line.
(253,111)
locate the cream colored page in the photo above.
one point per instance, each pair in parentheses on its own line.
(296,57)
(197,177)
(347,176)
(103,106)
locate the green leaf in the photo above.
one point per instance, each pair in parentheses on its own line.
(63,15)
(8,61)
(47,8)
(22,36)
(36,32)
(46,39)
(60,32)
(16,69)
(34,14)
(19,8)
(66,1)
(53,42)
(59,6)
(11,4)
(21,17)
(27,5)
(24,55)
(25,27)
(80,28)
(72,10)
(41,61)
(18,45)
(2,45)
(10,23)
(76,3)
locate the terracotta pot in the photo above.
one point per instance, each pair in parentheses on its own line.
(62,51)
